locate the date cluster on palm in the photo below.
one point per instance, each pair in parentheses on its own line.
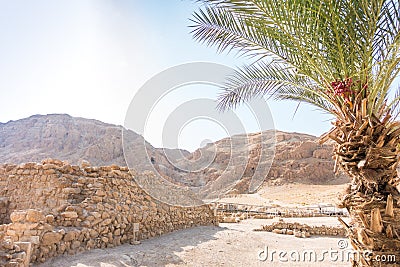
(367,149)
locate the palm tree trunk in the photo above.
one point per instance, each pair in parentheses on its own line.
(367,150)
(375,227)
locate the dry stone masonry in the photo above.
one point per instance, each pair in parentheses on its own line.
(55,208)
(302,230)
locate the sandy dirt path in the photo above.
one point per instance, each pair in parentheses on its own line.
(226,245)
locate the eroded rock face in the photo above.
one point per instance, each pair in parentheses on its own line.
(76,140)
(298,157)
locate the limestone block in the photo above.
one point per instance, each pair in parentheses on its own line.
(69,214)
(71,190)
(71,235)
(70,208)
(27,248)
(34,216)
(85,164)
(51,238)
(49,218)
(7,244)
(18,216)
(75,244)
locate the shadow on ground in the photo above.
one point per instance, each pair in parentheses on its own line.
(158,251)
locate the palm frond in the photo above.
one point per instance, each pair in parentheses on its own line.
(394,104)
(249,30)
(274,80)
(325,41)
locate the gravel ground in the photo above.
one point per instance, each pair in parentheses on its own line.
(226,245)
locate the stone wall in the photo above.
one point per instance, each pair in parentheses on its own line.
(59,208)
(13,254)
(303,230)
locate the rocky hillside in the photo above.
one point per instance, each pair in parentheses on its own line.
(73,139)
(231,164)
(298,158)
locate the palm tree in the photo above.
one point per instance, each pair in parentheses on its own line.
(341,56)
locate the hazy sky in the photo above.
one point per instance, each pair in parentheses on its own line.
(87,59)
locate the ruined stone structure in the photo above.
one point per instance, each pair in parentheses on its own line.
(54,208)
(303,230)
(298,158)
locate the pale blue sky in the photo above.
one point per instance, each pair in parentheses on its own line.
(87,59)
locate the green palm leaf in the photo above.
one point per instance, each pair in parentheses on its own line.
(274,80)
(312,44)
